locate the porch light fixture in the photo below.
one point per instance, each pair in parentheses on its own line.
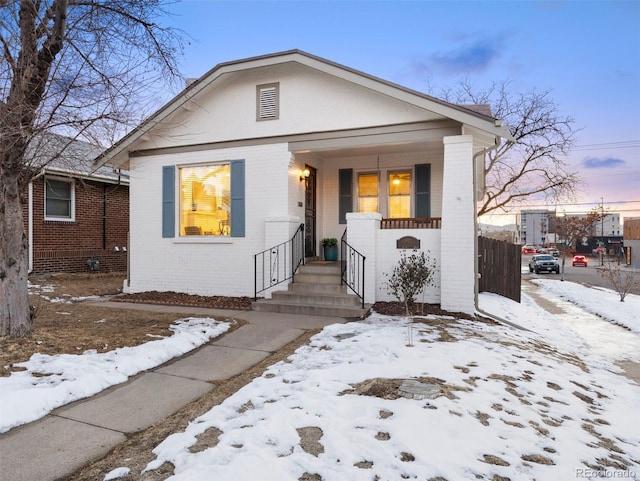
(304,175)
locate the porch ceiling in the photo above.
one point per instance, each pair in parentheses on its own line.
(374,141)
(365,150)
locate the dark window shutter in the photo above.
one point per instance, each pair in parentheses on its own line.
(345,188)
(237,198)
(168,201)
(423,190)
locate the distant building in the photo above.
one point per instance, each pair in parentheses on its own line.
(609,226)
(632,241)
(609,233)
(532,227)
(605,233)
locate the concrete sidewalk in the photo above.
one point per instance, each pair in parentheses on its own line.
(79,433)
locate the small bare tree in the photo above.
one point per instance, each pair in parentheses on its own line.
(534,165)
(571,229)
(623,280)
(71,67)
(410,276)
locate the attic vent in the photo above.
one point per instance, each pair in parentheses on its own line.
(268,101)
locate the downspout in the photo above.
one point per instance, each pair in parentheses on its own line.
(476,269)
(104,217)
(30,219)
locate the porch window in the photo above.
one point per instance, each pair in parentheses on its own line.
(399,194)
(368,192)
(205,200)
(59,199)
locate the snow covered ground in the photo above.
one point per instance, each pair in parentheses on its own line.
(543,404)
(49,382)
(513,404)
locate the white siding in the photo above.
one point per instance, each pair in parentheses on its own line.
(310,101)
(382,255)
(458,226)
(204,266)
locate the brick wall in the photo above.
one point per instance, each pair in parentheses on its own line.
(65,246)
(458,227)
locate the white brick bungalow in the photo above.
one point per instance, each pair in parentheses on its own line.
(216,176)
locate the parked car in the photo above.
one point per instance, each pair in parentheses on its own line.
(529,250)
(554,252)
(579,261)
(544,263)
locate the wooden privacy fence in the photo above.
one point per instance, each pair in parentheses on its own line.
(499,264)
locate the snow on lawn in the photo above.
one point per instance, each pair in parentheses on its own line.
(598,300)
(512,404)
(52,381)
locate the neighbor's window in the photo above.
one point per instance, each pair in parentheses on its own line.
(399,194)
(205,200)
(59,199)
(367,192)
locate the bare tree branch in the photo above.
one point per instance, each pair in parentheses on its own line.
(72,67)
(533,165)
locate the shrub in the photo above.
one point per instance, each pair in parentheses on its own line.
(623,281)
(410,276)
(329,242)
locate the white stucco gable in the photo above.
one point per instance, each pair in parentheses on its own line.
(314,95)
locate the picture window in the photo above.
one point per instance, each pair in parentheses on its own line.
(205,200)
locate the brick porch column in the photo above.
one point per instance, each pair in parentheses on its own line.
(362,235)
(276,231)
(457,267)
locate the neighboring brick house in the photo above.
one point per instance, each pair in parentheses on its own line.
(73,216)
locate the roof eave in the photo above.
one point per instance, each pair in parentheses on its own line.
(116,155)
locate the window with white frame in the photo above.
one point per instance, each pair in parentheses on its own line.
(399,194)
(205,200)
(368,192)
(59,199)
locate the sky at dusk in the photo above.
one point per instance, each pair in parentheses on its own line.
(586,53)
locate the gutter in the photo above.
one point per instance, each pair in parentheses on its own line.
(479,311)
(30,219)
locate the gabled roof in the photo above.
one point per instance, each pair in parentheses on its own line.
(56,154)
(468,115)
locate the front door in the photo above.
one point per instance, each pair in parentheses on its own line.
(310,214)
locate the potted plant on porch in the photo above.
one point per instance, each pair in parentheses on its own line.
(330,248)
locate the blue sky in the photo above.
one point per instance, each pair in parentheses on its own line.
(586,53)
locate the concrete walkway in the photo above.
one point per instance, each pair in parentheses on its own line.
(79,433)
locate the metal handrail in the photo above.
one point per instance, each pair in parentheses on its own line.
(352,268)
(280,262)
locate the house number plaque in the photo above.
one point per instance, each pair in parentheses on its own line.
(408,242)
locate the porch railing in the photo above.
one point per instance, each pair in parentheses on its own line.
(278,264)
(412,223)
(352,272)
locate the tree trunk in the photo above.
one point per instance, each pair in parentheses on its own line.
(15,314)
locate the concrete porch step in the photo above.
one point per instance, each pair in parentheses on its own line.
(303,287)
(317,278)
(316,290)
(320,267)
(270,305)
(316,298)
